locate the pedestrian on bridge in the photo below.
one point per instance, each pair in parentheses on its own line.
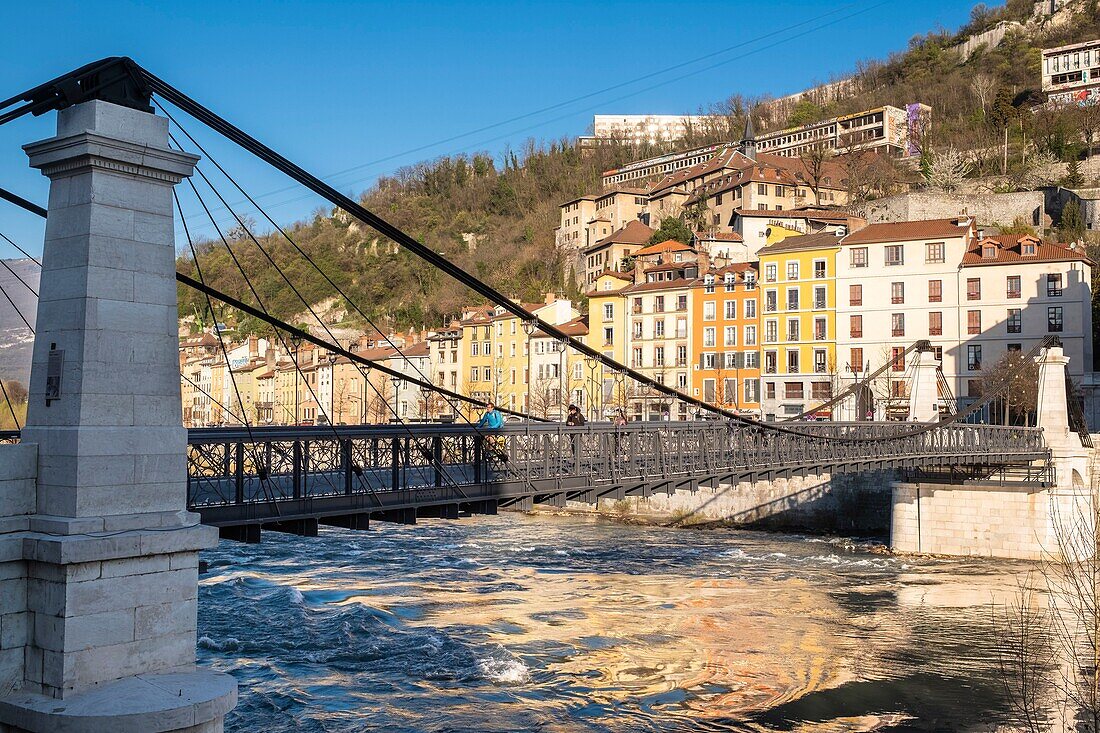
(491,418)
(574,416)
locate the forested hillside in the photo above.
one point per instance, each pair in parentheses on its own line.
(495,216)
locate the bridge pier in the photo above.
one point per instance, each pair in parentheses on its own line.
(1026,519)
(99,555)
(923,394)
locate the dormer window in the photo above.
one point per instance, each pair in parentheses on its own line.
(1027,249)
(989,252)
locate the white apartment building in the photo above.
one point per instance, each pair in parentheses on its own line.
(445,355)
(1071,74)
(646,129)
(971,296)
(887,130)
(407,400)
(659,340)
(898,283)
(660,165)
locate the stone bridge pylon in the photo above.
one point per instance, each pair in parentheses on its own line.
(99,556)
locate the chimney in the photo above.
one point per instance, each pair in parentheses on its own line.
(981,234)
(550,298)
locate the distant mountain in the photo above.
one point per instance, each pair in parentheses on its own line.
(15,340)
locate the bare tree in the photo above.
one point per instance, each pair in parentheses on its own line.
(1038,169)
(947,170)
(815,160)
(1024,632)
(1088,121)
(984,87)
(1017,378)
(543,397)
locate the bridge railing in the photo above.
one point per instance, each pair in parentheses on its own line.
(230,466)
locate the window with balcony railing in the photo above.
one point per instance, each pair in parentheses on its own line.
(793,390)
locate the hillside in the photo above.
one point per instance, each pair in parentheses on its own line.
(497,219)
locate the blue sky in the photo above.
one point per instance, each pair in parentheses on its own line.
(337,85)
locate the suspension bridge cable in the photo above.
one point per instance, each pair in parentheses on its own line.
(309,307)
(347,298)
(217,402)
(15,308)
(259,301)
(14,274)
(261,467)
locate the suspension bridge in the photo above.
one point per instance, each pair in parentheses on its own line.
(105,499)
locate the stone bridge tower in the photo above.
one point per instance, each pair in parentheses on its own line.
(98,568)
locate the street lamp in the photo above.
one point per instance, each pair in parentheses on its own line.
(331,357)
(296,343)
(396,381)
(528,329)
(592,362)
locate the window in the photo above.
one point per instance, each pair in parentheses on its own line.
(897,324)
(658,357)
(769,390)
(731,336)
(708,284)
(474,374)
(709,337)
(475,349)
(1013,286)
(895,254)
(762,189)
(771,331)
(792,329)
(681,355)
(708,360)
(792,361)
(935,323)
(1054,319)
(681,328)
(973,288)
(935,291)
(731,309)
(989,252)
(750,335)
(792,390)
(636,329)
(973,388)
(973,322)
(933,252)
(1027,249)
(859,257)
(855,295)
(729,280)
(974,357)
(681,380)
(608,311)
(819,297)
(752,390)
(709,310)
(819,329)
(819,361)
(897,359)
(636,305)
(750,308)
(708,390)
(855,361)
(819,269)
(608,336)
(681,302)
(821,390)
(792,299)
(752,360)
(792,270)
(771,301)
(770,360)
(1015,320)
(897,293)
(636,357)
(487,374)
(771,272)
(856,327)
(658,304)
(659,328)
(1054,285)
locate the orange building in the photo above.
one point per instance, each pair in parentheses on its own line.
(726,369)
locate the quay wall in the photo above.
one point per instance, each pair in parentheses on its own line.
(852,504)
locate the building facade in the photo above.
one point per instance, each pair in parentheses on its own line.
(1071,74)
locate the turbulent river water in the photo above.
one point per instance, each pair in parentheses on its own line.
(542,623)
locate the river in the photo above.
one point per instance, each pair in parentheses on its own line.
(546,623)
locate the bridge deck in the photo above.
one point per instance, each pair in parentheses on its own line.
(346,476)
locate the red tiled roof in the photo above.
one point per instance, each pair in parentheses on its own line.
(634,232)
(1009,250)
(724,237)
(669,245)
(805,241)
(906,231)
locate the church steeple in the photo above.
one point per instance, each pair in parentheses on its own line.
(748,139)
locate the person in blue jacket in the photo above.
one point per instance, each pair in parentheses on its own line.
(491,419)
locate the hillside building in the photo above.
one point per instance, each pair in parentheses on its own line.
(1071,74)
(885,130)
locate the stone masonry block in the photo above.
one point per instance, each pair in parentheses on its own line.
(129,592)
(13,596)
(11,670)
(165,618)
(134,566)
(14,628)
(76,633)
(111,662)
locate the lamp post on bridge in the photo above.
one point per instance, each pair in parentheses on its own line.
(295,344)
(331,358)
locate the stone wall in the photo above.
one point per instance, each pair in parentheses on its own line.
(18,465)
(988,209)
(990,521)
(856,504)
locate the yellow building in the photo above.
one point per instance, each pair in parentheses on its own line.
(798,323)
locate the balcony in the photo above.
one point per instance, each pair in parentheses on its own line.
(897,332)
(856,333)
